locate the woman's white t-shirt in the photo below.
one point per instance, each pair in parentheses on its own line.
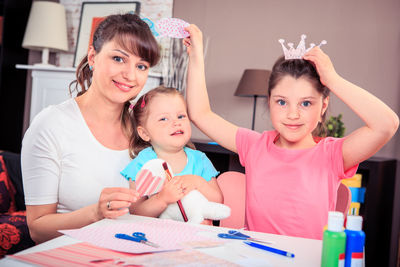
(62,162)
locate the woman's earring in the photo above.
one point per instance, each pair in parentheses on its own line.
(90,68)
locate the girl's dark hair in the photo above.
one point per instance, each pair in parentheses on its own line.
(140,111)
(133,35)
(299,68)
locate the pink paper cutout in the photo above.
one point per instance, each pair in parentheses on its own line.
(170,235)
(147,183)
(150,178)
(75,255)
(172,27)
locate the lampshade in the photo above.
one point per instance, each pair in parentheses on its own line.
(46,29)
(253,83)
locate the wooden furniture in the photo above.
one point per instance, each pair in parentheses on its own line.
(380,210)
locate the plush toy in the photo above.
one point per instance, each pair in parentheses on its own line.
(150,179)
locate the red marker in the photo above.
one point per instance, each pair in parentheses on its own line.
(169,177)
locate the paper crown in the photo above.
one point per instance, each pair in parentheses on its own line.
(298,53)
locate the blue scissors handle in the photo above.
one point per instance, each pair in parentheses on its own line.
(237,233)
(140,236)
(230,236)
(128,237)
(137,237)
(234,234)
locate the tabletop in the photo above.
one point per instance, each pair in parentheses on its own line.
(307,251)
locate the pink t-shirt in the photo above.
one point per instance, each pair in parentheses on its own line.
(290,192)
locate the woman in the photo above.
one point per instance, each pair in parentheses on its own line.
(73,152)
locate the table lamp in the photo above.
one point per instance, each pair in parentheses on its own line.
(253,83)
(46,30)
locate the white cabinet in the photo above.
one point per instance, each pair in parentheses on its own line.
(50,86)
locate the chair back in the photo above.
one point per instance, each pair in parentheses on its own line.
(343,199)
(233,187)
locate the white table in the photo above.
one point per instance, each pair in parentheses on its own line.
(307,251)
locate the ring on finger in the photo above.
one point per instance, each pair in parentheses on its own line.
(109,205)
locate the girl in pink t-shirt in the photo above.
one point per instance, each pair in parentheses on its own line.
(292,175)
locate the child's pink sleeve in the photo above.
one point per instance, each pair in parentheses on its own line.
(245,138)
(337,159)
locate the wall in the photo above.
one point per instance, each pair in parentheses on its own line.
(152,9)
(363,42)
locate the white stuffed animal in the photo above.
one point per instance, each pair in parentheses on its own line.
(197,209)
(150,179)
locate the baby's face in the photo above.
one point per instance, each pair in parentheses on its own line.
(168,125)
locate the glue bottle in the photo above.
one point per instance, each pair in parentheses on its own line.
(355,242)
(334,241)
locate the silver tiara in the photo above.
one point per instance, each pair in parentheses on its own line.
(298,53)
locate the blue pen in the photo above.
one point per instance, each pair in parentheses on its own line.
(273,250)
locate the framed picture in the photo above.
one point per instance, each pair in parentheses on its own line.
(92,13)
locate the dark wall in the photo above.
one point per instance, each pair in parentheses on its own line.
(12,81)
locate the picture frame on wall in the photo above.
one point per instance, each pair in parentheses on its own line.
(92,13)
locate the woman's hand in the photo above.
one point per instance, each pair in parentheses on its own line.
(323,64)
(171,192)
(194,43)
(115,201)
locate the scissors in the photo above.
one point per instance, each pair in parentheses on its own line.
(137,237)
(234,234)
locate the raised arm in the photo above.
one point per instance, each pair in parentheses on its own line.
(214,126)
(380,121)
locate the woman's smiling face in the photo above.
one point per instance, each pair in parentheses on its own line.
(118,75)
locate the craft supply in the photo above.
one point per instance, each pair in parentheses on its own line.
(334,241)
(79,254)
(234,234)
(300,50)
(149,179)
(137,237)
(270,249)
(355,240)
(168,234)
(147,183)
(169,177)
(175,258)
(170,27)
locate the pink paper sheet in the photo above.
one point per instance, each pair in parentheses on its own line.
(76,255)
(170,235)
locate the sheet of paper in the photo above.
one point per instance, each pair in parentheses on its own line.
(168,234)
(76,255)
(176,258)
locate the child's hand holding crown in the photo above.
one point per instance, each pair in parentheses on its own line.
(323,64)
